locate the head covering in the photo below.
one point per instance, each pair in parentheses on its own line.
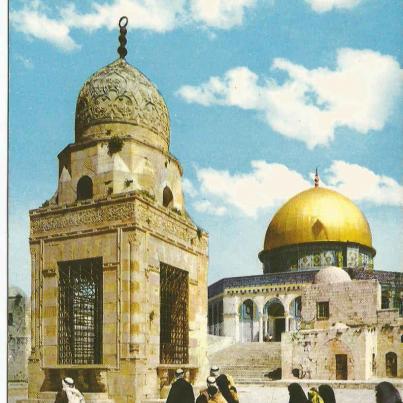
(214,370)
(67,383)
(314,396)
(296,393)
(387,393)
(179,373)
(327,394)
(73,394)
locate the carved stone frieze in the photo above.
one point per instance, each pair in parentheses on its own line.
(127,212)
(120,93)
(67,221)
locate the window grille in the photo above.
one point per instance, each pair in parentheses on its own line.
(322,310)
(174,318)
(80,312)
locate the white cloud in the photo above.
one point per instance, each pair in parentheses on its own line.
(363,185)
(321,6)
(188,188)
(54,25)
(205,206)
(32,21)
(26,62)
(221,14)
(154,15)
(311,104)
(268,185)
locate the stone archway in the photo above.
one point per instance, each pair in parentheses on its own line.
(247,321)
(275,323)
(391,364)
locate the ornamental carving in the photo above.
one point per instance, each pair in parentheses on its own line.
(121,93)
(130,213)
(92,216)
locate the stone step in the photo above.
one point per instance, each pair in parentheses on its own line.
(247,363)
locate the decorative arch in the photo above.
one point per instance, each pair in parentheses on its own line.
(391,364)
(84,188)
(248,316)
(274,323)
(167,197)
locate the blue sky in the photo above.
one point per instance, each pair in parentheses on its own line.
(259,92)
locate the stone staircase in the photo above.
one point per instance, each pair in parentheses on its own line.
(248,362)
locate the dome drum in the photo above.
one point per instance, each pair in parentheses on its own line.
(316,256)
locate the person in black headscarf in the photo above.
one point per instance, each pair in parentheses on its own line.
(181,390)
(385,392)
(297,394)
(327,394)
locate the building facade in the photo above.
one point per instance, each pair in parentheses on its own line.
(344,333)
(314,230)
(115,257)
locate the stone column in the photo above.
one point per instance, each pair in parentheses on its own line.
(260,328)
(236,335)
(287,323)
(133,287)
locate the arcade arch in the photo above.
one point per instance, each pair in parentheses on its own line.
(274,320)
(248,321)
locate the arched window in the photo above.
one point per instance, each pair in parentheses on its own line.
(167,197)
(84,188)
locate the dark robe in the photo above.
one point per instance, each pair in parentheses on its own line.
(297,394)
(387,393)
(181,392)
(327,394)
(228,391)
(61,397)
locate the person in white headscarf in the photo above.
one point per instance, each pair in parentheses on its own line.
(69,393)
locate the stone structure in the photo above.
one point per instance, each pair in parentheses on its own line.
(115,257)
(18,328)
(345,335)
(315,229)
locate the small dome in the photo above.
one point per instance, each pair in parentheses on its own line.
(318,215)
(331,275)
(119,93)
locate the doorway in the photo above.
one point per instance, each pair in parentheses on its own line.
(391,364)
(341,367)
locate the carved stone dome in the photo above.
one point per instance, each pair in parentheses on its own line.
(119,93)
(331,275)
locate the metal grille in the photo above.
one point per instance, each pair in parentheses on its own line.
(80,311)
(174,319)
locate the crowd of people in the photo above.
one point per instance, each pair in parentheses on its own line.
(220,388)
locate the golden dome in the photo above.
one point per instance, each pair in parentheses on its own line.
(317,215)
(119,93)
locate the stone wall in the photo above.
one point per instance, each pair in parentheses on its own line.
(19,341)
(133,235)
(354,303)
(313,352)
(389,340)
